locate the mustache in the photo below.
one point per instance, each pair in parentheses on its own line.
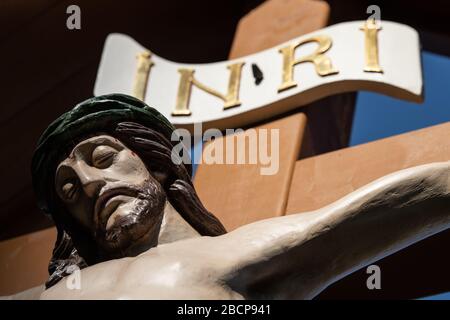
(145,216)
(110,192)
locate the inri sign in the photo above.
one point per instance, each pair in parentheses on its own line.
(351,56)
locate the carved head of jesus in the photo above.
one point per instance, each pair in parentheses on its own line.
(104,172)
(109,191)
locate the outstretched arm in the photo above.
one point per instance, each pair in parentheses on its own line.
(297,256)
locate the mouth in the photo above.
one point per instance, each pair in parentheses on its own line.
(108,202)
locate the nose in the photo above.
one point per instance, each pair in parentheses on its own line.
(91,178)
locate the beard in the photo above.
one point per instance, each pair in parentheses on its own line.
(137,230)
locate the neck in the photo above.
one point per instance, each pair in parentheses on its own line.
(174,227)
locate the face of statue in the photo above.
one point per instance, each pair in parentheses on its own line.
(108,189)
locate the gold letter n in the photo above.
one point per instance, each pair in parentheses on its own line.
(187,79)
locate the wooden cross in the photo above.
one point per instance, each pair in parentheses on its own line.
(309,177)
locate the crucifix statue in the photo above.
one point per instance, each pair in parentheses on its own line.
(128,216)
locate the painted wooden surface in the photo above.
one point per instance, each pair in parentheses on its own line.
(237,193)
(24,261)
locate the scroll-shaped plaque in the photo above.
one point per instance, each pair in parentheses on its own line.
(349,56)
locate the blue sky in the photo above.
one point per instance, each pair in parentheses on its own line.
(378,116)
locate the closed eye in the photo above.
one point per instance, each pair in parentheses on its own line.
(103,156)
(69,191)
